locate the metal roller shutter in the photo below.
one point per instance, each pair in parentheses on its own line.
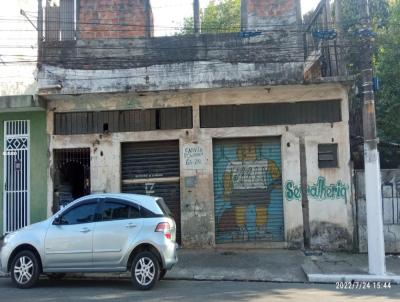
(152,168)
(248,190)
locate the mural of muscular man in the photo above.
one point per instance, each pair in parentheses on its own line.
(246,184)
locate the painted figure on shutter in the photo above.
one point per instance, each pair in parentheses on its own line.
(247,182)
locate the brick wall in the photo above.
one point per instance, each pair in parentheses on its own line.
(117,18)
(267,14)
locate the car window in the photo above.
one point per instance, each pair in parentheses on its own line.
(116,210)
(146,213)
(164,208)
(80,214)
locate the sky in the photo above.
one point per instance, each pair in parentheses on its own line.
(18,39)
(169,14)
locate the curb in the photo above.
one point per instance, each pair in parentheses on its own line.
(312,278)
(310,268)
(189,277)
(104,277)
(334,278)
(315,275)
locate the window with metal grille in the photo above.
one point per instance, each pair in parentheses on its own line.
(328,156)
(67,123)
(310,112)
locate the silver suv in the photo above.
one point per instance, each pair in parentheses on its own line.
(96,233)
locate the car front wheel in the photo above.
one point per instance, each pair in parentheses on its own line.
(25,270)
(145,270)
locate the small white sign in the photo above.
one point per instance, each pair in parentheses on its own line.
(193,157)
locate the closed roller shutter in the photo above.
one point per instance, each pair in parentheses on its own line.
(152,168)
(248,190)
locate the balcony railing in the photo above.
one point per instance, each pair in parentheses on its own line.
(321,50)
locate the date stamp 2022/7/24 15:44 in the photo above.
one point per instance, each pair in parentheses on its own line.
(348,285)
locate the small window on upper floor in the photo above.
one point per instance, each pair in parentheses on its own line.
(328,156)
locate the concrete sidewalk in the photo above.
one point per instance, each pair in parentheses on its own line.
(277,265)
(249,265)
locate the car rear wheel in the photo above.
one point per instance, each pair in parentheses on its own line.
(25,270)
(145,270)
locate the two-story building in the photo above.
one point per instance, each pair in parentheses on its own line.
(224,127)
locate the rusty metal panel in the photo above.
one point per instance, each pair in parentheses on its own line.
(152,168)
(248,194)
(52,23)
(58,123)
(67,20)
(150,119)
(176,118)
(221,116)
(122,121)
(90,122)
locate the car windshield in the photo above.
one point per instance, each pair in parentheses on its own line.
(164,208)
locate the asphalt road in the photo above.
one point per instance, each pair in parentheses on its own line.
(183,291)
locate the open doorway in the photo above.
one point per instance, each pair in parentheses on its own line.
(71,175)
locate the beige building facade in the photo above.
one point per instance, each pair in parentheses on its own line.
(233,182)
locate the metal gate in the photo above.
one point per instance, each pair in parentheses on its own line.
(16,175)
(390,181)
(248,190)
(152,168)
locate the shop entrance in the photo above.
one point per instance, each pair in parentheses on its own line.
(248,196)
(71,175)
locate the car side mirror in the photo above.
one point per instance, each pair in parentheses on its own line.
(57,220)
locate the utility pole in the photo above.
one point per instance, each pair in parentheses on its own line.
(304,195)
(376,246)
(196,16)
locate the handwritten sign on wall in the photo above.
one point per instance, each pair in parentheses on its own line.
(193,157)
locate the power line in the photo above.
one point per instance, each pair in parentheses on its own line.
(283,25)
(184,48)
(155,59)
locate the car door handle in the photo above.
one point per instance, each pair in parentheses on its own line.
(130,226)
(85,230)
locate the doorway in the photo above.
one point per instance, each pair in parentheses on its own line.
(71,175)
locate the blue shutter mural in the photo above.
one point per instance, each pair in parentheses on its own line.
(248,190)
